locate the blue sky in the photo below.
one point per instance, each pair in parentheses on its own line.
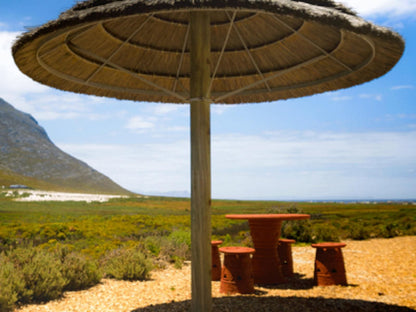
(354,144)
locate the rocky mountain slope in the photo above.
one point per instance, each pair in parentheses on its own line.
(28,156)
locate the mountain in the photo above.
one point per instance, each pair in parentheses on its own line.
(28,156)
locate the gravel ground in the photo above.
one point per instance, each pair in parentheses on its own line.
(381,276)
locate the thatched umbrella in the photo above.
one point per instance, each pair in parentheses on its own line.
(202,52)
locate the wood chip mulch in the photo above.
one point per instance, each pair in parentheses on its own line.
(381,275)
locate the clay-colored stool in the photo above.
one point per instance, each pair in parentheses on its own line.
(216,261)
(329,264)
(237,272)
(284,249)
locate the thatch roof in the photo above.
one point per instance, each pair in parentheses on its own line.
(261,50)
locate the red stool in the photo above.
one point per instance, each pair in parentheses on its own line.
(216,261)
(284,249)
(237,273)
(329,264)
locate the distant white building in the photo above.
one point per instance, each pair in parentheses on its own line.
(18,186)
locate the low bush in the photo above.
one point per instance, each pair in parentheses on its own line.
(180,237)
(11,284)
(174,248)
(390,230)
(128,264)
(359,231)
(325,233)
(301,231)
(32,274)
(153,244)
(79,272)
(178,247)
(40,272)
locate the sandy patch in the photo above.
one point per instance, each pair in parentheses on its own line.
(59,196)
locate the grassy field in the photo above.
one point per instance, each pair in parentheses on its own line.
(96,228)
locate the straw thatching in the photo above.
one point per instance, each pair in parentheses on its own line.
(260,50)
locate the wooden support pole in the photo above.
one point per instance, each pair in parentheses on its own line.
(200,162)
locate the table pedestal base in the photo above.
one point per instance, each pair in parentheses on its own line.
(267,268)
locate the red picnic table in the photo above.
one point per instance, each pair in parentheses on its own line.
(265,233)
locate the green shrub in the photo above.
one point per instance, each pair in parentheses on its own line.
(11,284)
(43,277)
(40,272)
(230,228)
(153,244)
(29,274)
(79,272)
(174,248)
(226,240)
(178,247)
(180,237)
(175,252)
(128,264)
(56,231)
(359,231)
(325,233)
(246,239)
(390,230)
(20,258)
(301,231)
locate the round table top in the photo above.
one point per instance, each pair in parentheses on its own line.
(216,242)
(287,240)
(329,245)
(274,216)
(236,250)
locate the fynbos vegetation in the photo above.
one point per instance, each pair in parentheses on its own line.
(47,248)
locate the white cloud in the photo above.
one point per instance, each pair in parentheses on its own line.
(163,109)
(401,117)
(54,105)
(402,87)
(14,83)
(377,97)
(311,165)
(342,98)
(219,109)
(292,149)
(140,123)
(338,97)
(147,167)
(178,129)
(280,165)
(42,102)
(380,7)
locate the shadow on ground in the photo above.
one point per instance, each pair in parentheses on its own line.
(297,282)
(281,304)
